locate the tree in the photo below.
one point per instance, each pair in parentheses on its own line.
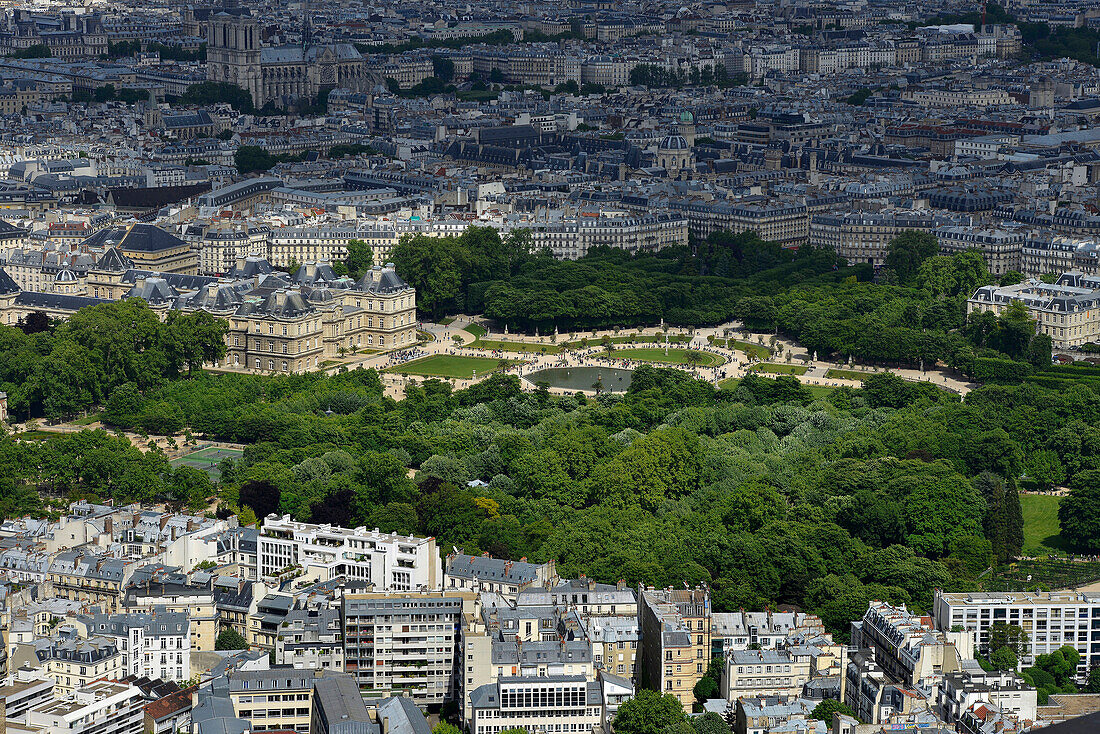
(1093,684)
(859,97)
(250,158)
(35,322)
(230,639)
(443,68)
(1003,659)
(1079,513)
(648,712)
(1015,329)
(194,339)
(710,723)
(359,259)
(431,265)
(37,51)
(824,711)
(445,728)
(260,495)
(705,689)
(210,93)
(907,251)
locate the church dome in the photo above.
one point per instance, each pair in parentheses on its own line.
(673,142)
(65,276)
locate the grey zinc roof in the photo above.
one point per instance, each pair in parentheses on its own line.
(139,238)
(402,716)
(539,652)
(338,700)
(491,569)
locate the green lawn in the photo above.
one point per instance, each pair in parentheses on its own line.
(846,375)
(476,329)
(1041,529)
(444,365)
(36,434)
(522,347)
(756,351)
(674,356)
(781,369)
(86,420)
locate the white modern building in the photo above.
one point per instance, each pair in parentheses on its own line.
(101,707)
(388,561)
(565,703)
(1051,619)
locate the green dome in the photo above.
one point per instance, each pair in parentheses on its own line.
(686,117)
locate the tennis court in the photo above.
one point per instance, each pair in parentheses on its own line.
(207,459)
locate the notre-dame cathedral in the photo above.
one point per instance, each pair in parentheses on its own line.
(235,53)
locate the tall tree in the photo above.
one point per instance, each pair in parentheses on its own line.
(908,250)
(649,712)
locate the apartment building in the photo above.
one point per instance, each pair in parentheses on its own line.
(496,575)
(761,714)
(863,237)
(765,672)
(907,647)
(1068,311)
(175,597)
(1050,619)
(100,707)
(74,663)
(404,643)
(89,577)
(766,630)
(221,244)
(873,695)
(959,98)
(963,691)
(154,645)
(569,239)
(571,704)
(772,219)
(312,639)
(1001,247)
(676,639)
(277,699)
(494,647)
(583,594)
(388,561)
(614,643)
(266,623)
(1046,253)
(22,691)
(321,243)
(338,708)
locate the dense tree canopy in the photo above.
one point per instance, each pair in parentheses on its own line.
(764,491)
(869,494)
(81,362)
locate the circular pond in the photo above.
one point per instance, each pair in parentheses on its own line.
(582,378)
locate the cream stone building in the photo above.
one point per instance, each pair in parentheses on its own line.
(235,54)
(278,323)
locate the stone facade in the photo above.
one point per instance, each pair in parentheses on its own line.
(279,74)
